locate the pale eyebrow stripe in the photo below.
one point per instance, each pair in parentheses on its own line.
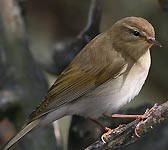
(131,28)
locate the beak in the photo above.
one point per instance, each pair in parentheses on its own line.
(153,42)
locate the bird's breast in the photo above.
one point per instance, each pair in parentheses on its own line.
(129,87)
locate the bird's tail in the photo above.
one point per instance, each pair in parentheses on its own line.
(22,133)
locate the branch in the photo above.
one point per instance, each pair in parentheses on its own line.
(23,83)
(93,22)
(65,51)
(126,135)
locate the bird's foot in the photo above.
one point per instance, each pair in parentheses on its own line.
(109,131)
(141,118)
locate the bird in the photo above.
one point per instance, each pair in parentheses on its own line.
(104,76)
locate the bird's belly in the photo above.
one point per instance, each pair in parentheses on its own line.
(109,97)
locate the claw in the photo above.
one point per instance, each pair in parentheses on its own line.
(137,128)
(102,138)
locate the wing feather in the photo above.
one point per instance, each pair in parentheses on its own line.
(93,66)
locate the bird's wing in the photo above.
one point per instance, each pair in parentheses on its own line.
(93,66)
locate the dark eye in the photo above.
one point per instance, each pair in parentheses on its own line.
(136,33)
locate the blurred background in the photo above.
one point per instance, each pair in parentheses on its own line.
(39,38)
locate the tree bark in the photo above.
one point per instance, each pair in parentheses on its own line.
(23,84)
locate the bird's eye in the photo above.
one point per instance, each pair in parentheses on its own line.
(136,33)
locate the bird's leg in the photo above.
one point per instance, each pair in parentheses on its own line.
(147,113)
(98,123)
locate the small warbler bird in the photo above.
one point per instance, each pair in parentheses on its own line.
(108,72)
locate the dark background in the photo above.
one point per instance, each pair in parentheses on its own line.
(38,38)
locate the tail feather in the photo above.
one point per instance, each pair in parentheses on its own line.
(22,133)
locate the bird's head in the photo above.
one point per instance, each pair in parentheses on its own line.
(134,35)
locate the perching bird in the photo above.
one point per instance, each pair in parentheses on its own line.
(108,72)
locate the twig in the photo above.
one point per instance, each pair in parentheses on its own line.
(126,135)
(65,51)
(93,22)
